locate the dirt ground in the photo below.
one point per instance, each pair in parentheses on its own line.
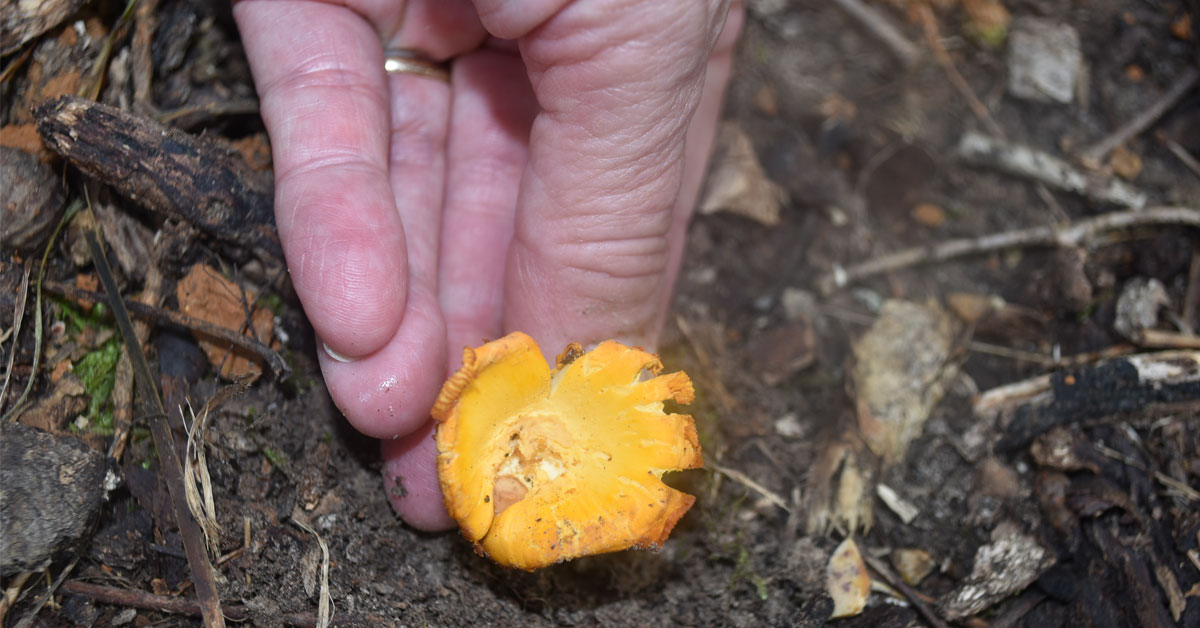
(863,150)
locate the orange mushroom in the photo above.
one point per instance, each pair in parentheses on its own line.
(540,466)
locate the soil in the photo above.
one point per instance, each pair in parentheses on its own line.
(857,141)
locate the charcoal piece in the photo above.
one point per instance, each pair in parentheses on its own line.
(52,490)
(196,179)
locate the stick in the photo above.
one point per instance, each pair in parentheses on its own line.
(181,606)
(1098,151)
(748,482)
(882,29)
(1182,155)
(278,365)
(1118,387)
(910,594)
(27,620)
(192,178)
(933,39)
(1022,161)
(123,386)
(189,531)
(1063,236)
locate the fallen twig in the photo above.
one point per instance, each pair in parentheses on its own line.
(1159,339)
(180,606)
(193,543)
(1096,153)
(123,385)
(881,29)
(1072,235)
(1023,161)
(1167,380)
(27,620)
(909,593)
(196,179)
(933,39)
(1182,155)
(278,365)
(748,482)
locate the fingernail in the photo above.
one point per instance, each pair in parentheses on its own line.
(335,355)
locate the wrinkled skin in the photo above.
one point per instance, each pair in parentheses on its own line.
(545,189)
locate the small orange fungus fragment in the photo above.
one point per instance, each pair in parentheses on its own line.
(539,466)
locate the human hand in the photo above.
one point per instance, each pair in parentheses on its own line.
(545,187)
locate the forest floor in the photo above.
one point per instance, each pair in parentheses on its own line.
(1003,421)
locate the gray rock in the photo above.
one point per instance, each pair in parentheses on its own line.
(1044,60)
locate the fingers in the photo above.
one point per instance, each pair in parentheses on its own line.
(387,394)
(324,101)
(490,116)
(488,147)
(698,146)
(410,478)
(441,29)
(618,84)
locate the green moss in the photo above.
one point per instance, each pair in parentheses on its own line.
(78,320)
(98,372)
(272,302)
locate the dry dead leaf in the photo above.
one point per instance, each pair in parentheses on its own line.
(738,184)
(929,214)
(902,366)
(846,580)
(1125,163)
(913,564)
(207,295)
(1181,28)
(766,101)
(54,411)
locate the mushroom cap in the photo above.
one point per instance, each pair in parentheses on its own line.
(539,466)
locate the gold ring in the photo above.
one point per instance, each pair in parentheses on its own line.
(405,61)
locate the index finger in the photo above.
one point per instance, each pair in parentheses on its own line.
(323,92)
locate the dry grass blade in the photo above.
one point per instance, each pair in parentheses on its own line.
(325,602)
(14,332)
(748,482)
(27,620)
(196,482)
(13,593)
(16,408)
